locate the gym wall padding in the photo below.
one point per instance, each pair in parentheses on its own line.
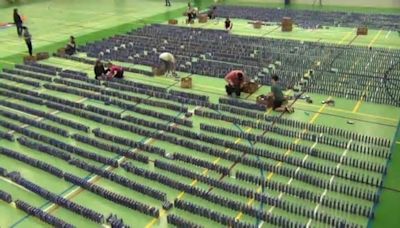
(358,3)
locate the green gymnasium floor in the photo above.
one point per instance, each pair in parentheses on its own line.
(51,23)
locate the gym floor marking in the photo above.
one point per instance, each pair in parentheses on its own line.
(194,182)
(350,112)
(251,200)
(217,160)
(364,94)
(375,38)
(387,35)
(331,180)
(287,153)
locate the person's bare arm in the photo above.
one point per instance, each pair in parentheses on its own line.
(228,81)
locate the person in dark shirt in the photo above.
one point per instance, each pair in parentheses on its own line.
(278,97)
(236,80)
(211,12)
(191,13)
(70,49)
(99,70)
(228,24)
(28,39)
(18,22)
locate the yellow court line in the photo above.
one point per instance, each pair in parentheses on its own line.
(7,62)
(358,105)
(350,112)
(375,38)
(287,153)
(316,115)
(194,182)
(345,37)
(359,102)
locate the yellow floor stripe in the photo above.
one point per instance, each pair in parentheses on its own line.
(345,37)
(194,182)
(287,153)
(316,115)
(7,62)
(359,102)
(347,111)
(357,106)
(375,38)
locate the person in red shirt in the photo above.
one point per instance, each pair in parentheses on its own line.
(114,71)
(235,80)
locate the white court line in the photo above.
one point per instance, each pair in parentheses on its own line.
(330,181)
(309,223)
(291,179)
(17,185)
(387,35)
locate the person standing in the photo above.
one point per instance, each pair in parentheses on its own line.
(18,22)
(167,2)
(28,39)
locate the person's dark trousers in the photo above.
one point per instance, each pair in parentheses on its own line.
(29,45)
(19,29)
(231,89)
(167,3)
(120,74)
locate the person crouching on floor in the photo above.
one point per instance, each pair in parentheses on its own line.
(236,80)
(279,100)
(114,71)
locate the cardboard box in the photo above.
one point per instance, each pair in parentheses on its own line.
(172,21)
(186,82)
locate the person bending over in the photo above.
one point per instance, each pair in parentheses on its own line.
(70,49)
(279,100)
(18,22)
(114,71)
(99,71)
(236,80)
(168,63)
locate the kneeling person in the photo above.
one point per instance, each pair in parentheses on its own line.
(280,100)
(236,81)
(114,71)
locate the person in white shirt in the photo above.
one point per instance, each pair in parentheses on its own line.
(169,62)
